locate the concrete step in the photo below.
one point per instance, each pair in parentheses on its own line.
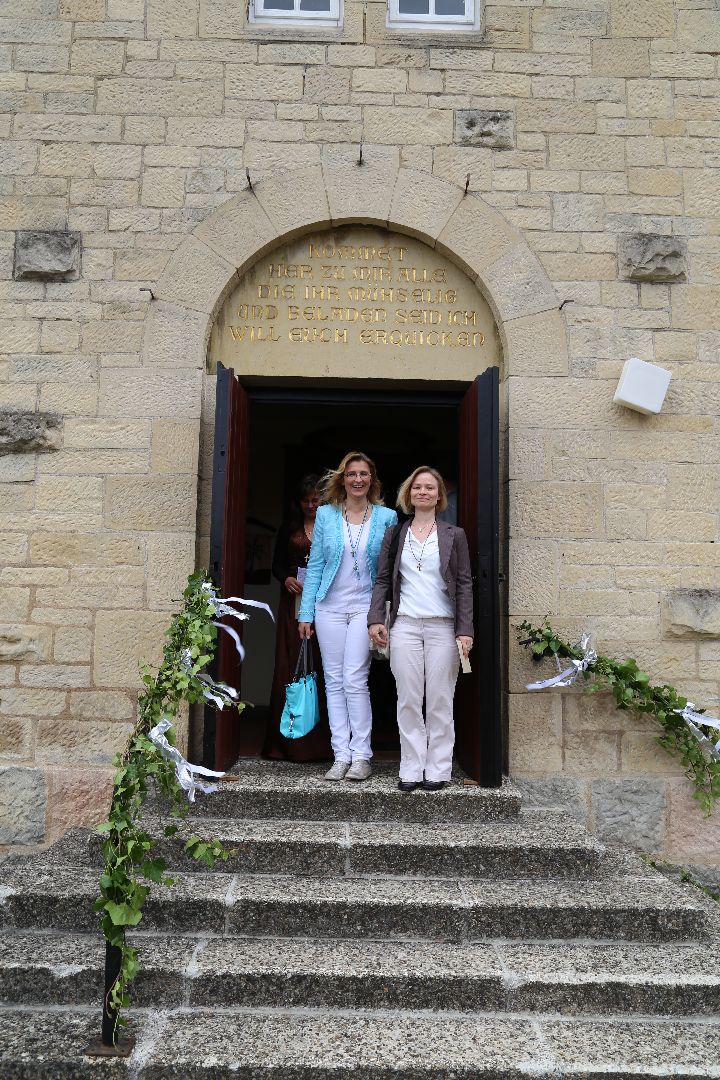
(645,909)
(286,791)
(535,843)
(300,1045)
(67,969)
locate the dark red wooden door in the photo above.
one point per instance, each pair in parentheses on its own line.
(478,745)
(224,728)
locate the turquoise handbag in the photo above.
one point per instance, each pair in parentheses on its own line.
(302,708)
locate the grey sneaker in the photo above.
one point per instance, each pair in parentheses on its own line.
(337,771)
(359,770)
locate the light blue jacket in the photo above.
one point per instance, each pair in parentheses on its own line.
(327,550)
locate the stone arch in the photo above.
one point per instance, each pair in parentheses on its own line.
(464,228)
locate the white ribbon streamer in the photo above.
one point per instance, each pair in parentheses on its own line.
(569,675)
(234,635)
(184,771)
(694,719)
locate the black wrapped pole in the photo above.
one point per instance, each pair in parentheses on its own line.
(108,1045)
(113,962)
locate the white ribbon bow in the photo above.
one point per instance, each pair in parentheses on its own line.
(693,719)
(567,676)
(184,771)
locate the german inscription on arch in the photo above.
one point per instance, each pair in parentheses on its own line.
(356,302)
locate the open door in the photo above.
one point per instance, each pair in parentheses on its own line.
(478,740)
(223,728)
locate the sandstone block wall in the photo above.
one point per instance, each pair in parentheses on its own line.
(589,126)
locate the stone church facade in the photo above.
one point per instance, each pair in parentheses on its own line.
(563,157)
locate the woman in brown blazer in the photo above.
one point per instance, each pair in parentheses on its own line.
(431,613)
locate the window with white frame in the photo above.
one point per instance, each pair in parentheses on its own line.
(292,12)
(434,14)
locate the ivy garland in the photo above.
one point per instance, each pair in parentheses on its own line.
(633,690)
(127,848)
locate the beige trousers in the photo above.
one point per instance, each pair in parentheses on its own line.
(425,662)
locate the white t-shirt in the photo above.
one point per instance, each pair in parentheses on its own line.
(348,592)
(423,594)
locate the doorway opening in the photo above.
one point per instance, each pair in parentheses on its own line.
(296,433)
(267,437)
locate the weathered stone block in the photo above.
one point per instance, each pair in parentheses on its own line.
(699,31)
(72,644)
(690,831)
(555,792)
(587,152)
(556,115)
(164,97)
(630,810)
(100,704)
(92,742)
(388,124)
(170,561)
(77,797)
(23,800)
(629,58)
(23,642)
(692,612)
(49,256)
(640,752)
(536,344)
(175,446)
(562,510)
(268,82)
(153,502)
(485,127)
(533,581)
(642,18)
(26,432)
(122,640)
(577,213)
(15,701)
(128,392)
(85,549)
(535,734)
(16,738)
(651,257)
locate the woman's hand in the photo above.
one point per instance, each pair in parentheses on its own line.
(466,644)
(378,634)
(305,629)
(293,586)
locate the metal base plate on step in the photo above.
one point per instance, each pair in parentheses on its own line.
(98,1048)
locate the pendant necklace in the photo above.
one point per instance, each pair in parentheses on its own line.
(416,560)
(354,548)
(309,540)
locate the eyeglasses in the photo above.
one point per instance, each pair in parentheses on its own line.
(360,474)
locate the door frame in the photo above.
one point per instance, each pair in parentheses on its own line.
(442,395)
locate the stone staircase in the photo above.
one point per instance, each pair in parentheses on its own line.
(361,932)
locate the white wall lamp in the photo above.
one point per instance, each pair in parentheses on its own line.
(642,386)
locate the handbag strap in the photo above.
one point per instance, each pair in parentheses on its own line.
(392,556)
(302,661)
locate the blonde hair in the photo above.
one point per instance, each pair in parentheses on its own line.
(403,495)
(333,482)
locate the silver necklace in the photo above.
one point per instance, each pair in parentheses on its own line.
(416,560)
(354,548)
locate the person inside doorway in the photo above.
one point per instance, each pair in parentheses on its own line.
(431,619)
(341,572)
(289,566)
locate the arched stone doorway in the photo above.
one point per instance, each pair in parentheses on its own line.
(210,265)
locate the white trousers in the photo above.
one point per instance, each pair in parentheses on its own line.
(425,662)
(345,651)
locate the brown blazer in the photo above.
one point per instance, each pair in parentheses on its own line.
(454,567)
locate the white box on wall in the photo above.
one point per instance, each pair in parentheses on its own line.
(642,386)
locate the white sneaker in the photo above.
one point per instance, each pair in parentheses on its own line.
(359,770)
(337,771)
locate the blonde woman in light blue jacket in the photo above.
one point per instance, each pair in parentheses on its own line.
(341,572)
